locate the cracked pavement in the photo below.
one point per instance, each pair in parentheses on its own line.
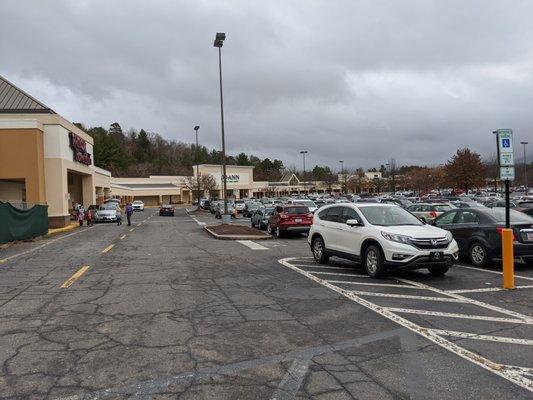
(171,313)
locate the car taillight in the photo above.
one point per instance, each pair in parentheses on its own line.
(433,214)
(310,216)
(499,230)
(284,216)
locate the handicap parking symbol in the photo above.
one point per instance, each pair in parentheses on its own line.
(506,143)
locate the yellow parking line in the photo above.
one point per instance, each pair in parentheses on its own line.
(108,248)
(74,277)
(132,229)
(3,261)
(122,237)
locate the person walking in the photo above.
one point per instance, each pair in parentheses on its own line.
(129,212)
(81,215)
(119,215)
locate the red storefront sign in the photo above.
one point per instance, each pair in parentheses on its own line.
(79,147)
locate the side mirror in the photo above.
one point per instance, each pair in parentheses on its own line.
(353,222)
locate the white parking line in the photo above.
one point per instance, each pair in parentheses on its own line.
(491,289)
(407,296)
(198,222)
(252,245)
(492,272)
(470,301)
(456,315)
(396,285)
(517,375)
(475,336)
(338,274)
(323,267)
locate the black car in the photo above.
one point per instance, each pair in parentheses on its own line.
(477,231)
(166,209)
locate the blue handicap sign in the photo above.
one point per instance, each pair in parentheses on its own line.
(506,142)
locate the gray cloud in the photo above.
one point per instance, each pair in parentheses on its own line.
(361,81)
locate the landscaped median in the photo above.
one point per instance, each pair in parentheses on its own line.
(235,232)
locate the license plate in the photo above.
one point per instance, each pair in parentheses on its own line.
(436,255)
(298,220)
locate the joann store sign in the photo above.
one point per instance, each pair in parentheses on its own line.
(79,147)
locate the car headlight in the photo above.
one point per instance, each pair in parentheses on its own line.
(448,236)
(396,238)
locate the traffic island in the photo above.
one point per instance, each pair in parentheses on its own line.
(236,232)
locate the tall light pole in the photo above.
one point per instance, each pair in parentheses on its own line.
(342,176)
(197,174)
(525,165)
(303,153)
(219,41)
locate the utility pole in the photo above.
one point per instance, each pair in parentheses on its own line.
(525,165)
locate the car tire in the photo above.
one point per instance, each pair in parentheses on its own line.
(478,254)
(438,271)
(319,251)
(373,261)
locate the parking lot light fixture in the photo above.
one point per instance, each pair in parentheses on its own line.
(219,41)
(303,153)
(525,165)
(197,174)
(342,176)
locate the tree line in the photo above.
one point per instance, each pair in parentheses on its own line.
(141,153)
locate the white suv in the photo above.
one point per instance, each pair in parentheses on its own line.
(381,236)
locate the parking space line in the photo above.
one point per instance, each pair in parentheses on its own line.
(407,296)
(475,336)
(108,248)
(122,237)
(74,277)
(491,289)
(132,229)
(470,301)
(338,274)
(252,245)
(456,315)
(492,272)
(323,267)
(198,222)
(396,285)
(512,374)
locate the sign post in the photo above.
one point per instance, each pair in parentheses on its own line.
(504,139)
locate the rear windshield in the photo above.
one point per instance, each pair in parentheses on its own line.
(108,206)
(516,217)
(296,210)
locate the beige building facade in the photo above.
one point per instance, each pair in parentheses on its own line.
(44,158)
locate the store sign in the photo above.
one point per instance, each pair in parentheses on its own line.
(233,178)
(79,147)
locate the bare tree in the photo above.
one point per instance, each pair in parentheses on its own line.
(209,184)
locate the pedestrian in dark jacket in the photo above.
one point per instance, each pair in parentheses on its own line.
(129,212)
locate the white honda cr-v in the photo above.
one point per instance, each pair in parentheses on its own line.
(382,237)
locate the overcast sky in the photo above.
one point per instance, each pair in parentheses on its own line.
(359,81)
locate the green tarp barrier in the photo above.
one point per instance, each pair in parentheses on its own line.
(17,224)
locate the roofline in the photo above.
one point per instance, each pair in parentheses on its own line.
(47,110)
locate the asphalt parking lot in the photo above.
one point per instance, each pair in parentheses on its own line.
(162,310)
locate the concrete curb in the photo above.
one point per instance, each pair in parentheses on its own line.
(237,237)
(68,228)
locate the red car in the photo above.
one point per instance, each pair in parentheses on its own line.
(166,209)
(290,219)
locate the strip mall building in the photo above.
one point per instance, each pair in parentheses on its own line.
(45,159)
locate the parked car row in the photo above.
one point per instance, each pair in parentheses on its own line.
(385,237)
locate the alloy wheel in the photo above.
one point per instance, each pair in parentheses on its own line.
(478,254)
(372,261)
